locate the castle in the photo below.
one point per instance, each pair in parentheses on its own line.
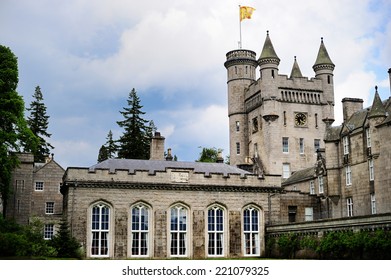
(288,167)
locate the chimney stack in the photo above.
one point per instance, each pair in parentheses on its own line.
(169,155)
(220,158)
(157,147)
(350,106)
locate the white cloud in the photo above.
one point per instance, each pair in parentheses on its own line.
(87,55)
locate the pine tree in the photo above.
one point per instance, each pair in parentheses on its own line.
(66,245)
(38,122)
(14,132)
(110,145)
(135,141)
(103,154)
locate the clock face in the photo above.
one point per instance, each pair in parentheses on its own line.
(300,119)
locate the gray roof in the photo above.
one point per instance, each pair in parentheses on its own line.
(152,166)
(299,176)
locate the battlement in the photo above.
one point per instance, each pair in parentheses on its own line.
(239,57)
(182,176)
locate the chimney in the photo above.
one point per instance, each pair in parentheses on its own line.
(169,155)
(220,158)
(350,106)
(157,147)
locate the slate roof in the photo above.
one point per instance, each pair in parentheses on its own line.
(152,166)
(323,56)
(268,50)
(299,176)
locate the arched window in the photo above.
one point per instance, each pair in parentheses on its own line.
(100,229)
(140,230)
(215,231)
(178,231)
(251,229)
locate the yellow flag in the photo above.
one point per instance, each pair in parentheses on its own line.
(246,12)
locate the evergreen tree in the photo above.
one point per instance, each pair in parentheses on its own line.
(135,141)
(38,123)
(103,154)
(110,145)
(109,149)
(65,244)
(15,135)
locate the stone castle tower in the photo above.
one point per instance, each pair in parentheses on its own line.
(277,122)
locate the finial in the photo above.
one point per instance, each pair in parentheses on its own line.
(267,32)
(376,89)
(295,57)
(321,39)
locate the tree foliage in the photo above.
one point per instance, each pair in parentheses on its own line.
(135,140)
(15,135)
(38,122)
(23,242)
(336,245)
(209,155)
(64,243)
(109,149)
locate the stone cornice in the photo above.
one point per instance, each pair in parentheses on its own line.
(175,187)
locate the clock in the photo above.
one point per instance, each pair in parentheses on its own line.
(300,119)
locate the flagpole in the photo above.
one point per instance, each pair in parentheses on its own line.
(240,29)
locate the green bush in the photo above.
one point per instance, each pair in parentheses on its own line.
(334,245)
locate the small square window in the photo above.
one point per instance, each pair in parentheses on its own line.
(39,186)
(49,209)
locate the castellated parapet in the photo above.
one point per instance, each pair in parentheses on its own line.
(186,178)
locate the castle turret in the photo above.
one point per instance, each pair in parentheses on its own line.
(324,68)
(268,60)
(296,73)
(241,65)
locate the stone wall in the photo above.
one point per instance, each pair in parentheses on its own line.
(160,199)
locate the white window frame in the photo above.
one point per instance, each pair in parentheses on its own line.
(237,125)
(215,231)
(373,204)
(349,205)
(285,145)
(348,174)
(140,225)
(251,231)
(100,230)
(39,186)
(308,214)
(320,184)
(345,140)
(49,207)
(48,231)
(301,146)
(179,231)
(286,170)
(368,135)
(312,187)
(371,169)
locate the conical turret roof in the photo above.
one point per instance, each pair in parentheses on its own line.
(268,51)
(296,73)
(323,57)
(377,109)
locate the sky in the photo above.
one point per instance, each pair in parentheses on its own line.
(86,56)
